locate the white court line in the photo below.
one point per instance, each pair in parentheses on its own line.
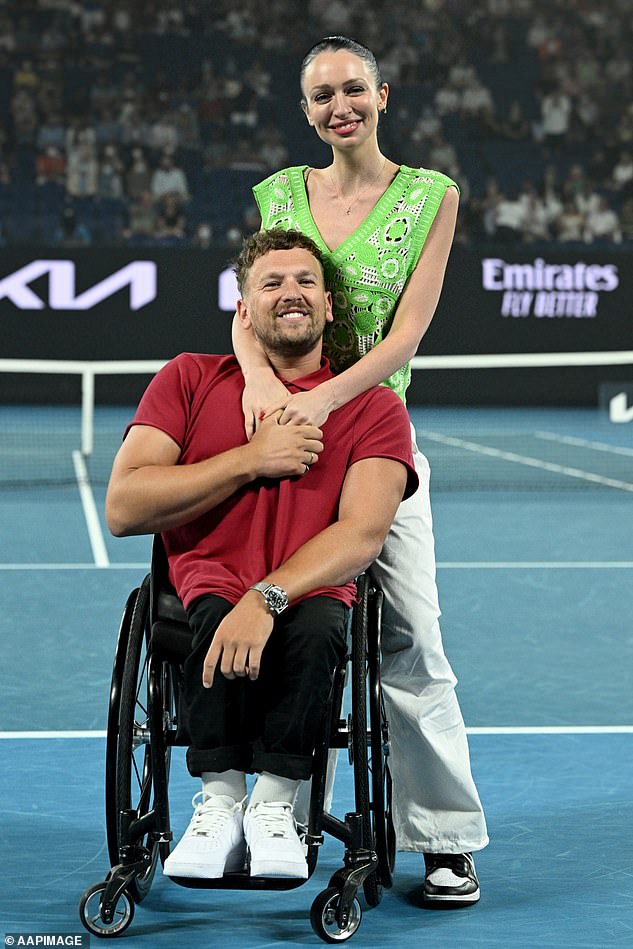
(484,730)
(52,735)
(526,460)
(553,730)
(535,565)
(93,523)
(74,566)
(441,564)
(584,443)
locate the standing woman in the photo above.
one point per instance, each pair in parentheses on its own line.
(385,231)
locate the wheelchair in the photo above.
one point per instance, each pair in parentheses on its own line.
(144,725)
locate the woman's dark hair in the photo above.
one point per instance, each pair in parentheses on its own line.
(333,44)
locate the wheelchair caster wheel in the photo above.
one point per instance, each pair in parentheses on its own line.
(90,912)
(323,917)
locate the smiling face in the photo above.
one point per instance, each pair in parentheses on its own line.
(286,303)
(341,100)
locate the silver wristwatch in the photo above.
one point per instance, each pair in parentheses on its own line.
(276,598)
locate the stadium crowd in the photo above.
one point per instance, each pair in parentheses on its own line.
(124,121)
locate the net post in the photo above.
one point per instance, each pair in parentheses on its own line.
(87,411)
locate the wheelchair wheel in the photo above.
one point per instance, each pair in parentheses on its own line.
(323,917)
(129,772)
(90,912)
(384,831)
(112,735)
(372,783)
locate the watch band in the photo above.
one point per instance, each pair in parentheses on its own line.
(276,598)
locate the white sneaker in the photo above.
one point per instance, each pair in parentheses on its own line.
(213,843)
(275,849)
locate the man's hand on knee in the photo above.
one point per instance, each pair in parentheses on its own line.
(239,641)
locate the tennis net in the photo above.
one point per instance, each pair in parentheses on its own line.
(60,421)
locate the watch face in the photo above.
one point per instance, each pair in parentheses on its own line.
(277,599)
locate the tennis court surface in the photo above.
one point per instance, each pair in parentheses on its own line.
(535,567)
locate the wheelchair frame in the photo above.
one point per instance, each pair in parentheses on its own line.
(154,638)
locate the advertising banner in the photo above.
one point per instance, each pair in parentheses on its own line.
(137,303)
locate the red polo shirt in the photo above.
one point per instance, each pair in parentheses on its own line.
(197,400)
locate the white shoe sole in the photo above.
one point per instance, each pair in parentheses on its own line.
(270,868)
(454,898)
(204,871)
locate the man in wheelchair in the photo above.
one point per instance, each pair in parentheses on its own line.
(263,540)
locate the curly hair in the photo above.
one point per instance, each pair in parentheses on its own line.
(262,242)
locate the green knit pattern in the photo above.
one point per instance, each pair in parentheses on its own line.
(367,272)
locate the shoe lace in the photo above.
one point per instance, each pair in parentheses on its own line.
(209,816)
(458,863)
(274,820)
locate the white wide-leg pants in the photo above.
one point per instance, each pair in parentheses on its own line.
(436,804)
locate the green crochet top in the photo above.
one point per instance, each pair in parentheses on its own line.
(367,272)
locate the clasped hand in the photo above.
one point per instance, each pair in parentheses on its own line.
(282,451)
(259,401)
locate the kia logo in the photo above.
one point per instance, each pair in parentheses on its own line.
(140,276)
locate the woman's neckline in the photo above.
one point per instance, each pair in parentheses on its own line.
(306,171)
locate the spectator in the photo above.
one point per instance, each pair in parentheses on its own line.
(601,223)
(399,64)
(141,223)
(462,73)
(138,177)
(82,172)
(515,126)
(587,199)
(80,135)
(244,157)
(50,165)
(587,115)
(134,128)
(186,123)
(487,205)
(556,116)
(622,173)
(576,182)
(427,126)
(163,133)
(168,178)
(272,147)
(551,194)
(569,225)
(107,127)
(25,76)
(70,232)
(509,218)
(476,101)
(51,133)
(24,116)
(534,224)
(442,155)
(447,100)
(171,220)
(203,237)
(110,182)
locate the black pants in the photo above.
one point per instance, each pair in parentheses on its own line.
(271,724)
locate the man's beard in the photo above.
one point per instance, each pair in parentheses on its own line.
(288,345)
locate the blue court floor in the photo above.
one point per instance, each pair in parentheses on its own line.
(537,594)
